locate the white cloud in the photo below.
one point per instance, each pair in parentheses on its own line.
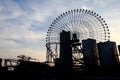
(100,3)
(9,10)
(7,44)
(112,14)
(19,32)
(85,7)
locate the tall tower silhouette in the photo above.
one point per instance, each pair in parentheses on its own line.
(65,51)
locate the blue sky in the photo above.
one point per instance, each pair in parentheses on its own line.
(24,23)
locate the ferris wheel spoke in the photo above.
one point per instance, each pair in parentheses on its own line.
(84,23)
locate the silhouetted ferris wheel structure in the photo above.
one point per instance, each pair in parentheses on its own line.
(84,23)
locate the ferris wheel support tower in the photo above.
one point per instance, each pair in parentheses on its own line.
(82,24)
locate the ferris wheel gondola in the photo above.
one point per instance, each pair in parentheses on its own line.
(84,23)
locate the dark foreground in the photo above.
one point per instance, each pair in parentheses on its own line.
(40,71)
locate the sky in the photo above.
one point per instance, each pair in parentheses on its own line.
(24,23)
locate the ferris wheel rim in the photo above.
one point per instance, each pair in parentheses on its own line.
(84,18)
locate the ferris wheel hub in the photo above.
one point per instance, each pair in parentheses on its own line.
(82,24)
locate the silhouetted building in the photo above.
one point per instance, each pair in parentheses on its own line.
(119,48)
(90,53)
(65,51)
(108,53)
(0,62)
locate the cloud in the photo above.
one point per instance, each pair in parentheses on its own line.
(16,35)
(9,10)
(13,53)
(100,3)
(16,22)
(24,24)
(7,44)
(85,7)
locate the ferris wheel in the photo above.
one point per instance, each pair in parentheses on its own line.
(84,23)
